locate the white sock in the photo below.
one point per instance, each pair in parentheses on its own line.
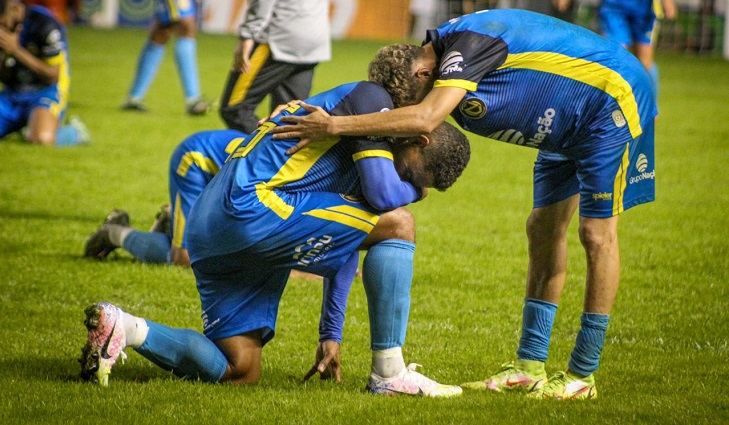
(388,363)
(117,234)
(136,330)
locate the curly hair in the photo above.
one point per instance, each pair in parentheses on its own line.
(392,68)
(447,155)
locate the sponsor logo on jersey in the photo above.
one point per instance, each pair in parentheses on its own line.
(473,108)
(545,128)
(642,166)
(602,196)
(509,136)
(451,63)
(619,119)
(313,250)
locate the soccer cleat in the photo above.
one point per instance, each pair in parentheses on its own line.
(199,106)
(134,105)
(522,375)
(84,136)
(568,386)
(98,245)
(105,344)
(410,382)
(163,220)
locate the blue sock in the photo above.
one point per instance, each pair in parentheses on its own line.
(536,328)
(67,135)
(388,273)
(148,247)
(184,352)
(654,78)
(586,355)
(186,58)
(147,65)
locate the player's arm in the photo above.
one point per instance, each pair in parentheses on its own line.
(10,44)
(331,323)
(258,17)
(406,121)
(381,184)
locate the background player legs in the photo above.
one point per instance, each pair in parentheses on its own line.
(296,86)
(147,65)
(186,60)
(43,129)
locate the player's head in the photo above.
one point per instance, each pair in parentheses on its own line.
(405,71)
(433,160)
(11,14)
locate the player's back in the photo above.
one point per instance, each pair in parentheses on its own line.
(207,149)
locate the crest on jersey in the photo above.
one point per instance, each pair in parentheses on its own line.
(619,119)
(473,108)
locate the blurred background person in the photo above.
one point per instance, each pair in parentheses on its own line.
(34,69)
(170,16)
(281,42)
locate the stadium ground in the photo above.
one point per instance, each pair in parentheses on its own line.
(666,359)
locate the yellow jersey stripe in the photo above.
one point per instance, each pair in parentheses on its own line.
(174,10)
(179,231)
(63,84)
(295,168)
(462,84)
(258,58)
(340,218)
(620,182)
(590,73)
(378,153)
(197,158)
(233,145)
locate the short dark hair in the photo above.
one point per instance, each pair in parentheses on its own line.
(4,6)
(447,155)
(392,68)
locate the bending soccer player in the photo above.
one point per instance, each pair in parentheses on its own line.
(34,70)
(193,164)
(266,213)
(170,16)
(588,105)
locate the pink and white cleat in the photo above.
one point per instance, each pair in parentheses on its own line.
(410,382)
(106,342)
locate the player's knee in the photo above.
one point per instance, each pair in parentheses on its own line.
(46,138)
(594,236)
(403,225)
(242,372)
(179,257)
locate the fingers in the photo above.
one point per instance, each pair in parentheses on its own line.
(297,147)
(311,372)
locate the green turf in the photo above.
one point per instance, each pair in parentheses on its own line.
(665,358)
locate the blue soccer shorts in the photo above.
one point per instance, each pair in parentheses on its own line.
(15,107)
(171,11)
(627,27)
(609,180)
(240,291)
(187,181)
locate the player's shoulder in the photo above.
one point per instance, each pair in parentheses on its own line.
(44,29)
(363,97)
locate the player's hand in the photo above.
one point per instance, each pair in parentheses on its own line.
(669,10)
(327,362)
(242,55)
(307,128)
(9,41)
(278,110)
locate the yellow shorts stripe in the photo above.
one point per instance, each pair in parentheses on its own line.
(197,158)
(620,183)
(365,225)
(178,232)
(374,153)
(590,73)
(271,200)
(259,57)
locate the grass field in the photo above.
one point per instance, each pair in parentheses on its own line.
(666,358)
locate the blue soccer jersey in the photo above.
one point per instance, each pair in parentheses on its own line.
(193,164)
(537,81)
(266,213)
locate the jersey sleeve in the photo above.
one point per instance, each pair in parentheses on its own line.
(258,17)
(334,301)
(466,57)
(51,43)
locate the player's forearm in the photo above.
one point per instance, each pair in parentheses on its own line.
(401,122)
(382,187)
(334,303)
(47,72)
